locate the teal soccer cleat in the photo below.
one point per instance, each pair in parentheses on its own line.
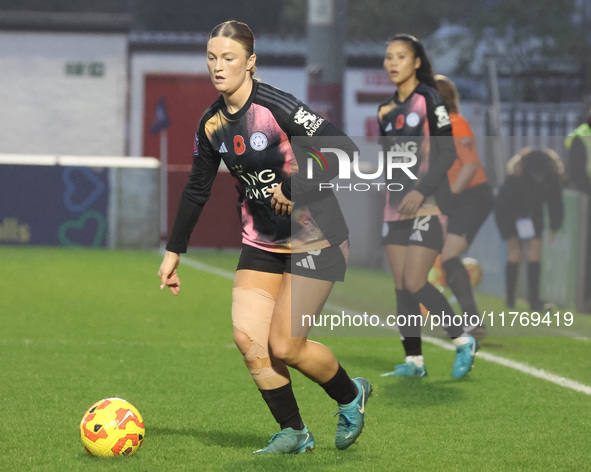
(289,441)
(352,416)
(409,369)
(465,358)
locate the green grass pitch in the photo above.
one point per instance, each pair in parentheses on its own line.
(78,325)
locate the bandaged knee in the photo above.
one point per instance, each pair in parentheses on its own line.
(252,311)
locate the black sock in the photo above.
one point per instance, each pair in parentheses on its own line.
(341,388)
(511,272)
(533,283)
(407,305)
(437,304)
(284,408)
(458,281)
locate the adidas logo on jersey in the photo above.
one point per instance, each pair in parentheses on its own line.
(416,236)
(223,148)
(307,263)
(388,128)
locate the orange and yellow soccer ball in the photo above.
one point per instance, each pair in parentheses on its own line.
(112,427)
(437,275)
(474,270)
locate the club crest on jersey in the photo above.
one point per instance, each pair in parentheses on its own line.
(442,116)
(258,141)
(309,121)
(412,119)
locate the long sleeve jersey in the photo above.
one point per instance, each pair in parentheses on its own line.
(255,145)
(410,126)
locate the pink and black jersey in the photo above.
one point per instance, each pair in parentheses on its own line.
(255,145)
(408,127)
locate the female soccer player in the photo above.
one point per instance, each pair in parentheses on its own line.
(250,127)
(533,178)
(416,121)
(473,202)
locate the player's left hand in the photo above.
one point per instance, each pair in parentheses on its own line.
(279,202)
(411,203)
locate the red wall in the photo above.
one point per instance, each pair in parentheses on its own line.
(187,97)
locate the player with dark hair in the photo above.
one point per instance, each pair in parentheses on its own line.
(250,127)
(416,120)
(533,179)
(473,202)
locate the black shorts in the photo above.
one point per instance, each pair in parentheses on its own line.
(425,231)
(323,264)
(470,211)
(508,226)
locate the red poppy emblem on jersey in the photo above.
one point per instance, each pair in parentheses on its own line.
(239,146)
(399,121)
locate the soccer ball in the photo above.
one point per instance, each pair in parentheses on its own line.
(112,427)
(437,275)
(474,270)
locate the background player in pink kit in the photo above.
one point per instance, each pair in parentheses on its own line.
(250,127)
(415,119)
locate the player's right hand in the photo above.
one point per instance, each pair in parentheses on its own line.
(410,204)
(167,272)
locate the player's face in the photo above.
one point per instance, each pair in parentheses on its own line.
(400,62)
(228,64)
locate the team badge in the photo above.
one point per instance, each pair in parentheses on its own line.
(442,116)
(258,141)
(412,119)
(309,121)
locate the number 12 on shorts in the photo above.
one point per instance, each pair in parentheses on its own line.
(421,223)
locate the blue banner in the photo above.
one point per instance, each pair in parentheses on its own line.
(53,205)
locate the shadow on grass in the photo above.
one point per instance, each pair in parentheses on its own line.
(357,364)
(210,437)
(322,459)
(419,393)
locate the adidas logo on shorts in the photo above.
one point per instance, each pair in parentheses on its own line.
(307,263)
(416,236)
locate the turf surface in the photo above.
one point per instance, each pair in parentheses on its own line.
(78,325)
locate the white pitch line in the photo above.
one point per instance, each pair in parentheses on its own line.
(207,268)
(519,366)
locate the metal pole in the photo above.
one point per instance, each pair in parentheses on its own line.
(163,185)
(327,27)
(498,149)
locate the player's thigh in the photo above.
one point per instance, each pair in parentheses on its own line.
(300,300)
(396,255)
(425,243)
(253,302)
(454,246)
(534,249)
(513,249)
(419,261)
(251,279)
